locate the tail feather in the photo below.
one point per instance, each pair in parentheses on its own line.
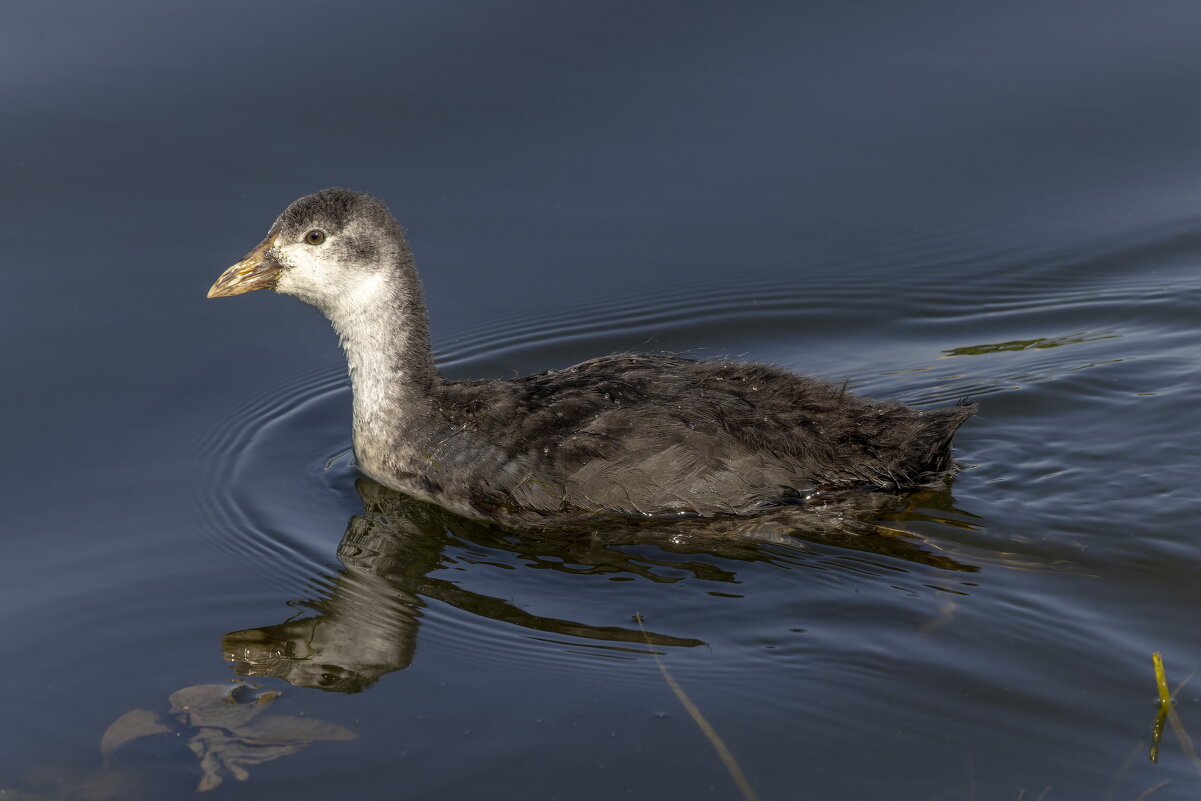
(940,430)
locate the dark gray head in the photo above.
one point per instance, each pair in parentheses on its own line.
(333,249)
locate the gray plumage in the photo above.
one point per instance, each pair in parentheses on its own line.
(628,435)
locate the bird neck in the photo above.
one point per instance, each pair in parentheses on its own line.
(383,328)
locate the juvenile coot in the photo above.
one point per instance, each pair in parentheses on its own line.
(628,435)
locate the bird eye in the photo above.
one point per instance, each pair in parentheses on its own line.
(315,237)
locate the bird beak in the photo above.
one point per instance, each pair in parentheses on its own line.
(256,270)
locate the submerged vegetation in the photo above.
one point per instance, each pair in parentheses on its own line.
(1038,343)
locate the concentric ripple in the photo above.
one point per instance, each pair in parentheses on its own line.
(265,477)
(274,459)
(280,482)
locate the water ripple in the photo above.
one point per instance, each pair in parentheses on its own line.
(274,460)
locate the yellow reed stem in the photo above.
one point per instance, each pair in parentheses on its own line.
(727,758)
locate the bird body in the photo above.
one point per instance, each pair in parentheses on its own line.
(628,435)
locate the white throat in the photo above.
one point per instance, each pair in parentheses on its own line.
(371,327)
(377,311)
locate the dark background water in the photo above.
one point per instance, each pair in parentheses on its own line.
(931,199)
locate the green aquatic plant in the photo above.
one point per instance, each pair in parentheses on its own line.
(1038,343)
(1161,679)
(1167,712)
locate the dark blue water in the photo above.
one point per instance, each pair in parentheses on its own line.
(931,200)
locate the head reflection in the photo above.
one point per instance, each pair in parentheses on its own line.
(365,625)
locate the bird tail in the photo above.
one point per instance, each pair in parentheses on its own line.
(941,425)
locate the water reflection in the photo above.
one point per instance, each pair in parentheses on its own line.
(366,623)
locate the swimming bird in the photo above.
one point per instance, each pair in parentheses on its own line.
(643,436)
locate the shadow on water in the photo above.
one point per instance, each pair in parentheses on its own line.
(366,624)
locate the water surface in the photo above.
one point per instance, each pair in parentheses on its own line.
(931,201)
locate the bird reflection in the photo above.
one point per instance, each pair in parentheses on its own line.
(366,623)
